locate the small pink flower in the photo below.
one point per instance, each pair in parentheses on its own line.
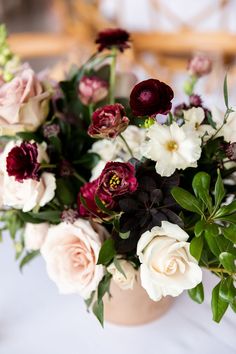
(108,122)
(200,65)
(92,89)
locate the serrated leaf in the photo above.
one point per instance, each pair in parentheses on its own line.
(196,246)
(218,305)
(197,293)
(228,261)
(186,200)
(107,252)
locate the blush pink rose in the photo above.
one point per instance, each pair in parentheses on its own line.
(71,253)
(23,103)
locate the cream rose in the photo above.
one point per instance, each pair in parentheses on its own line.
(167,267)
(123,281)
(23,104)
(30,193)
(34,235)
(71,253)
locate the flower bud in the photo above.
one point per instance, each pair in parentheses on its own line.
(199,65)
(92,89)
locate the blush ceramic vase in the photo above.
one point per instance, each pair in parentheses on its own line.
(133,307)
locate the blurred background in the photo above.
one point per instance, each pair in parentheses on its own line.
(165,35)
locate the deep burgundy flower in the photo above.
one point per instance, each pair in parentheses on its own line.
(195,100)
(22,161)
(88,193)
(230,151)
(92,89)
(113,37)
(108,121)
(150,97)
(117,179)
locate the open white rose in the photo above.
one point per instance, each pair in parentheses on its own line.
(172,147)
(124,282)
(34,235)
(167,267)
(30,193)
(23,104)
(71,253)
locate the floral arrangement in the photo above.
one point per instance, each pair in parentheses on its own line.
(108,187)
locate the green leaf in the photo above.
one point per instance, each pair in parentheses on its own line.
(199,227)
(29,136)
(227,290)
(186,200)
(118,266)
(225,88)
(218,305)
(219,191)
(124,235)
(197,293)
(226,209)
(201,185)
(102,207)
(212,230)
(107,252)
(98,310)
(56,143)
(52,216)
(104,286)
(233,304)
(196,246)
(65,192)
(213,244)
(89,301)
(28,218)
(228,218)
(230,232)
(88,160)
(210,120)
(29,257)
(228,261)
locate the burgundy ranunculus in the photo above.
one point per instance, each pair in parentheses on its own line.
(113,37)
(117,179)
(88,193)
(108,121)
(92,89)
(150,97)
(22,161)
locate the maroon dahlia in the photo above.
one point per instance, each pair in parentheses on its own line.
(113,37)
(150,97)
(22,162)
(108,121)
(117,179)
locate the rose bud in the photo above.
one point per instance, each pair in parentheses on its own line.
(195,101)
(88,193)
(199,65)
(113,37)
(22,163)
(150,97)
(92,89)
(230,151)
(116,179)
(108,122)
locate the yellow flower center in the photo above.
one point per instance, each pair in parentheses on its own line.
(172,146)
(114,181)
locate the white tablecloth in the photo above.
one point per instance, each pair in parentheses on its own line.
(35,319)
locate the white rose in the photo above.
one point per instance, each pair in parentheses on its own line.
(194,118)
(23,104)
(71,253)
(34,235)
(30,193)
(124,282)
(167,267)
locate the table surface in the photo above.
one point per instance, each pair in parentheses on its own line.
(35,319)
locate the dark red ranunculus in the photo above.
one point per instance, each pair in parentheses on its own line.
(108,121)
(88,193)
(113,37)
(22,161)
(150,97)
(117,179)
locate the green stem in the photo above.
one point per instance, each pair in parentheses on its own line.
(47,165)
(90,108)
(127,145)
(80,178)
(112,76)
(219,270)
